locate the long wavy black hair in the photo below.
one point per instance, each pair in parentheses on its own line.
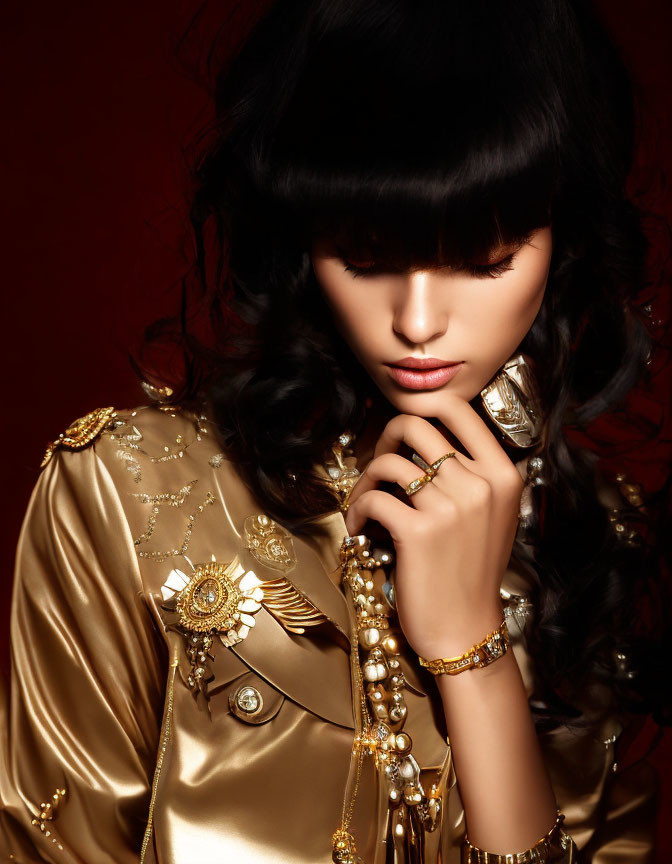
(413,132)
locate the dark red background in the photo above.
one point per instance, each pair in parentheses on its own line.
(97,110)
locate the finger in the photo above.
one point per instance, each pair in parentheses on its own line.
(383,508)
(459,417)
(428,442)
(392,468)
(418,434)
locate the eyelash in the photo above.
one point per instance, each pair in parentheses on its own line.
(482,271)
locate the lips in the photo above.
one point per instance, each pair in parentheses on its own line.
(423,363)
(423,373)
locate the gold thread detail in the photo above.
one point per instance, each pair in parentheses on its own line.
(159,555)
(182,444)
(165,735)
(172,499)
(128,442)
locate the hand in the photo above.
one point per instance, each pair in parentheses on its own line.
(453,538)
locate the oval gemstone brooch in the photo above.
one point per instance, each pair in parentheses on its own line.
(221,597)
(217,601)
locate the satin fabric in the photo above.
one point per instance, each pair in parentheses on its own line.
(100,705)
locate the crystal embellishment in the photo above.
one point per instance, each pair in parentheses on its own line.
(249,700)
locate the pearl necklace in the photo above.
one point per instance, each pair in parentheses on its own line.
(382,707)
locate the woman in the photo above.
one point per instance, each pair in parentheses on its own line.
(351,592)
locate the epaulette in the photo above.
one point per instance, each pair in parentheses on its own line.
(80,433)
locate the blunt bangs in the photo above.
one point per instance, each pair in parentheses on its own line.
(414,140)
(420,132)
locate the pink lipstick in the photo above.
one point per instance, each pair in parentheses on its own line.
(423,373)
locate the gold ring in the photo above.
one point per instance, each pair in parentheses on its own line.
(434,467)
(417,484)
(430,473)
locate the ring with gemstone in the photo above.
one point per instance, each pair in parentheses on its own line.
(430,473)
(434,467)
(417,484)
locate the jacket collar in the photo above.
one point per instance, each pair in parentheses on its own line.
(312,669)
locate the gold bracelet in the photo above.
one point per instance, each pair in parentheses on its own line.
(555,847)
(494,646)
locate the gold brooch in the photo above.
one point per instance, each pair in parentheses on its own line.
(218,601)
(270,543)
(80,433)
(217,597)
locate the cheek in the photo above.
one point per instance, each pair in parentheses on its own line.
(518,311)
(353,307)
(348,307)
(503,318)
(515,302)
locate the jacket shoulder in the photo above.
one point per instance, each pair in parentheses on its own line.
(155,434)
(80,433)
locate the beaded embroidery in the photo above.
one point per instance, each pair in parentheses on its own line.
(172,499)
(128,439)
(159,555)
(48,812)
(270,543)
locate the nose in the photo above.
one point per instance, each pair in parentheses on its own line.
(418,315)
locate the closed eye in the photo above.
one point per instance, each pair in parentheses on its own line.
(490,270)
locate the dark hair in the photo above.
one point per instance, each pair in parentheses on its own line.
(412,132)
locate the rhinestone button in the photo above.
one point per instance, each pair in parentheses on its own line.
(249,700)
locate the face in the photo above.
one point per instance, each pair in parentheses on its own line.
(424,333)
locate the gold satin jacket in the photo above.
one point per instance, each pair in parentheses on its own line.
(110,752)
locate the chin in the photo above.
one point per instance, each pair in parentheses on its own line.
(426,403)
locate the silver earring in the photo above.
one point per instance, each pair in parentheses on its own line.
(509,402)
